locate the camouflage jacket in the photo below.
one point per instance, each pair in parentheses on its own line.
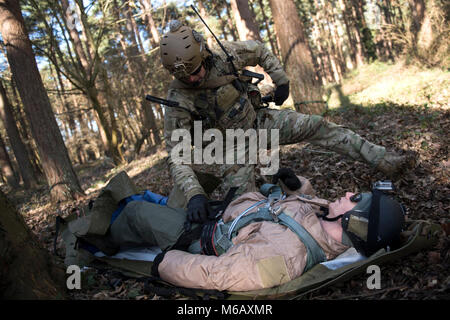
(217,102)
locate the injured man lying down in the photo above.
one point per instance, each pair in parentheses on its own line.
(254,241)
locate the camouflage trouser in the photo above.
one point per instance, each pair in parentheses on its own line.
(293,128)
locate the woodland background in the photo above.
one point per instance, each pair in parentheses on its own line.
(74,74)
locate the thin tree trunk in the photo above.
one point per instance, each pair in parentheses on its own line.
(231,21)
(205,16)
(247,30)
(337,40)
(25,133)
(245,21)
(19,149)
(136,68)
(297,57)
(351,40)
(331,46)
(357,34)
(388,49)
(131,19)
(151,26)
(6,166)
(55,160)
(65,108)
(223,23)
(111,131)
(273,45)
(75,37)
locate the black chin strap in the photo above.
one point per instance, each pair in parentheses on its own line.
(325,214)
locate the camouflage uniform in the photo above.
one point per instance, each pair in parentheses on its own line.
(222,106)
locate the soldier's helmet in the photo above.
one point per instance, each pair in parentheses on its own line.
(182,50)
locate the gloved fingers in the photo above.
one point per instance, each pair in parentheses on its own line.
(189,216)
(288,177)
(293,183)
(281,94)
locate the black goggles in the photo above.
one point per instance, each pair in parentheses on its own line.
(356,197)
(197,71)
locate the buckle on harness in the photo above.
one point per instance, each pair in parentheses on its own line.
(274,212)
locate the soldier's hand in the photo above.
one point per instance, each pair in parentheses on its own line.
(281,94)
(198,209)
(288,177)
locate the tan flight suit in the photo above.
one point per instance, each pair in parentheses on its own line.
(264,254)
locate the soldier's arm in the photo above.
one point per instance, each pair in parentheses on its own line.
(252,53)
(174,119)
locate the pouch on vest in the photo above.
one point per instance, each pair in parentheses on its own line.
(236,111)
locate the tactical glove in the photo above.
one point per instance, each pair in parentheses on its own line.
(288,177)
(198,209)
(281,94)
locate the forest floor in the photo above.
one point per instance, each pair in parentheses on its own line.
(391,105)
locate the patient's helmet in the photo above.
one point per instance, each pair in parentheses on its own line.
(374,223)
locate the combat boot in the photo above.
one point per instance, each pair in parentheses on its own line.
(394,164)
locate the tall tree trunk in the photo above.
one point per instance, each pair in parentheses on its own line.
(297,57)
(421,26)
(84,66)
(323,15)
(223,23)
(247,29)
(151,26)
(245,21)
(55,160)
(231,24)
(348,30)
(356,32)
(132,21)
(273,44)
(80,52)
(337,39)
(365,33)
(386,19)
(25,133)
(19,149)
(68,108)
(136,67)
(6,166)
(205,16)
(27,271)
(417,8)
(64,107)
(111,131)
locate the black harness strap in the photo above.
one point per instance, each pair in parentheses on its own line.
(208,228)
(374,219)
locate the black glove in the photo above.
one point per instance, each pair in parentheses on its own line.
(288,177)
(198,209)
(281,94)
